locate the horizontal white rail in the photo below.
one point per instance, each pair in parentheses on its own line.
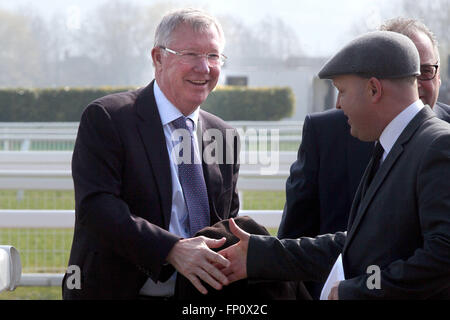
(36,180)
(41,279)
(39,125)
(267,218)
(42,136)
(288,130)
(62,180)
(12,218)
(61,160)
(35,160)
(61,136)
(51,170)
(74,125)
(37,136)
(37,219)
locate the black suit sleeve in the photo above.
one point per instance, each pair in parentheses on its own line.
(303,259)
(301,215)
(97,164)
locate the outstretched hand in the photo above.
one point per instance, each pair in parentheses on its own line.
(236,255)
(194,259)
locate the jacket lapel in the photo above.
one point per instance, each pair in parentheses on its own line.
(211,172)
(361,205)
(358,156)
(152,135)
(361,208)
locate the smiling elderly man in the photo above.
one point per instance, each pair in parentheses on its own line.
(137,206)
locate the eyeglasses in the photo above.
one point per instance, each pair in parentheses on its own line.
(189,57)
(428,71)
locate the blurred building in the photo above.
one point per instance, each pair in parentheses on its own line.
(299,73)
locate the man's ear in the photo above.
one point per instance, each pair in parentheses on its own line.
(156,57)
(374,89)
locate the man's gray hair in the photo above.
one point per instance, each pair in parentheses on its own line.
(409,27)
(199,20)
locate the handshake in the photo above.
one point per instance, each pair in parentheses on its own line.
(194,259)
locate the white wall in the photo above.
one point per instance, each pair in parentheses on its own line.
(300,79)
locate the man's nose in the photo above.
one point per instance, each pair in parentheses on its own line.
(338,104)
(202,65)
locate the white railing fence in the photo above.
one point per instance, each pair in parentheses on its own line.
(46,168)
(61,220)
(15,136)
(51,170)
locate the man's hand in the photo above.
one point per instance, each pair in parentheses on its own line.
(193,259)
(334,292)
(236,254)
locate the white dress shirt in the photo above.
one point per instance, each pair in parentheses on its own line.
(393,130)
(179,219)
(387,139)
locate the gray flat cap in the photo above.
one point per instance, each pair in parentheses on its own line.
(380,54)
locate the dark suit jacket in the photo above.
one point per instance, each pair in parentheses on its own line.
(324,178)
(401,225)
(123,194)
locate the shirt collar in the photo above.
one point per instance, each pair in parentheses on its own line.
(393,130)
(167,111)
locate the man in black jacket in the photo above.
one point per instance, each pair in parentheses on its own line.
(397,244)
(324,178)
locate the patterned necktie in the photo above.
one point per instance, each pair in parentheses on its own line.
(376,159)
(192,181)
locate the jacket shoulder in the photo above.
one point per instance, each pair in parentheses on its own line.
(328,115)
(329,123)
(432,131)
(442,111)
(333,118)
(117,100)
(212,121)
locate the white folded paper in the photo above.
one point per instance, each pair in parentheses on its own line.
(336,275)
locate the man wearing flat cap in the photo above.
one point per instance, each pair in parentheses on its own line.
(397,244)
(330,161)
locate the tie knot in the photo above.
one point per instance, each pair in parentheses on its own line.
(183,123)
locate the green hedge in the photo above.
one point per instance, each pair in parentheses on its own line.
(229,103)
(242,103)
